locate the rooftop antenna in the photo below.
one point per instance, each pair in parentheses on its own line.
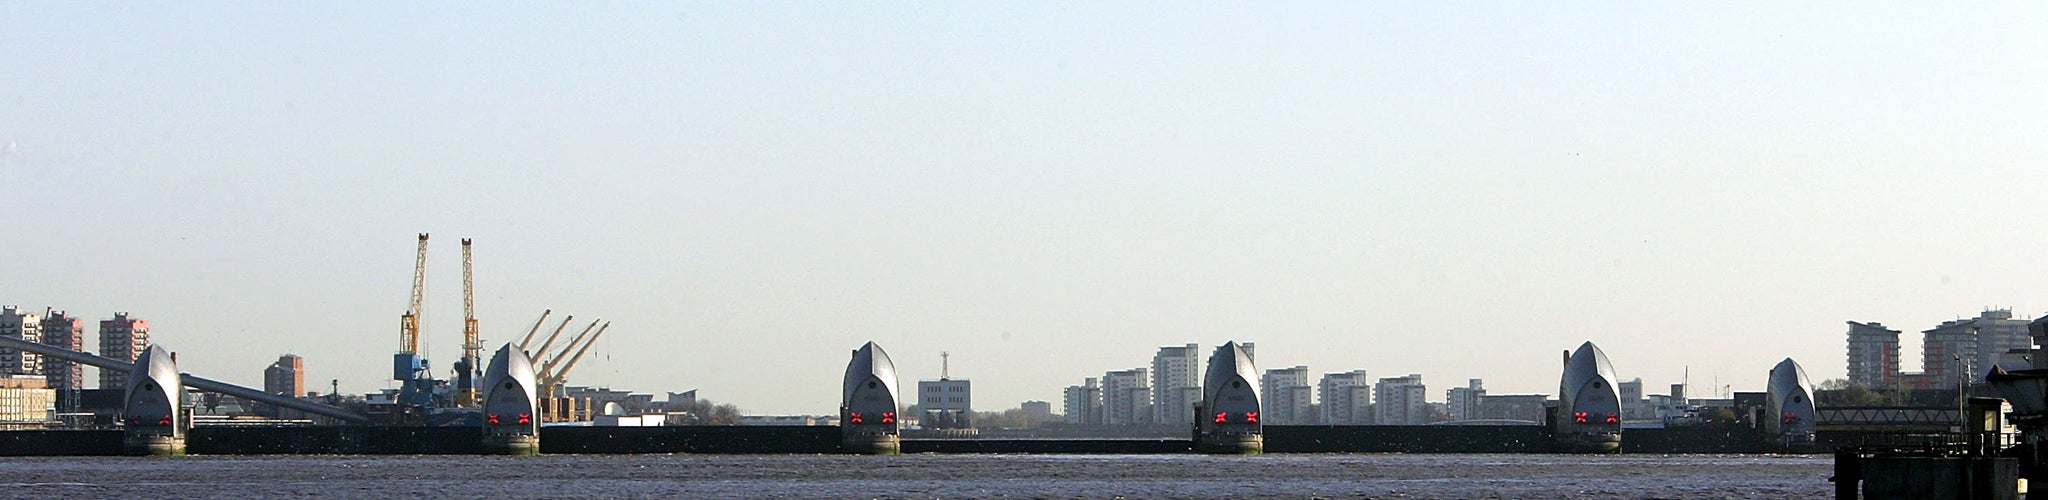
(945,365)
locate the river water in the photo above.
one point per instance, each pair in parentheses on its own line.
(925,476)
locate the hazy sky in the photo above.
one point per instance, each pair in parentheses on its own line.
(1046,190)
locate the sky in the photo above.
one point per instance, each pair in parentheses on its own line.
(1046,191)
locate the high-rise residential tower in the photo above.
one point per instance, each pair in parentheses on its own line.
(1126,397)
(1873,354)
(286,377)
(1347,398)
(17,325)
(1971,345)
(1176,384)
(1285,394)
(1401,401)
(121,338)
(1083,403)
(63,331)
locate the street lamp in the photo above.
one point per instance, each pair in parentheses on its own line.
(1960,380)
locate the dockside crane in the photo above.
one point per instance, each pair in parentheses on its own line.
(467,370)
(537,353)
(551,378)
(536,329)
(548,361)
(409,365)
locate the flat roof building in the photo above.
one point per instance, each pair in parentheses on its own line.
(1873,354)
(121,338)
(1347,398)
(17,325)
(1176,383)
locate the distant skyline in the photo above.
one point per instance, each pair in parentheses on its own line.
(1048,192)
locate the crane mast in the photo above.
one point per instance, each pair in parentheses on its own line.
(409,323)
(409,366)
(468,372)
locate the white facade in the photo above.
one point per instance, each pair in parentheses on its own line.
(945,403)
(1347,398)
(1401,401)
(1083,403)
(1286,396)
(1176,384)
(18,325)
(1462,403)
(1127,397)
(1632,403)
(25,402)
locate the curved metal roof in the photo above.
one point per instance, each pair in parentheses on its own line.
(1787,379)
(156,364)
(1228,361)
(870,359)
(509,362)
(1586,363)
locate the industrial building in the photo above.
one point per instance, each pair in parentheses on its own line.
(947,403)
(1347,398)
(26,401)
(122,338)
(17,325)
(1037,411)
(1287,396)
(1524,407)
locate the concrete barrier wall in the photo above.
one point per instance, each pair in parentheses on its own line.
(59,443)
(1406,439)
(819,439)
(690,439)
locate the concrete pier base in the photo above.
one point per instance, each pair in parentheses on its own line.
(1231,444)
(1589,443)
(1940,477)
(871,444)
(153,445)
(511,445)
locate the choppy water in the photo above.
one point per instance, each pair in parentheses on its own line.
(925,476)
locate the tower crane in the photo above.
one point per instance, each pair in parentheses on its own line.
(409,366)
(466,370)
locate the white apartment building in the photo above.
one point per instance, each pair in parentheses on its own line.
(1401,401)
(1083,403)
(1127,397)
(1463,402)
(1286,396)
(1347,398)
(1176,383)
